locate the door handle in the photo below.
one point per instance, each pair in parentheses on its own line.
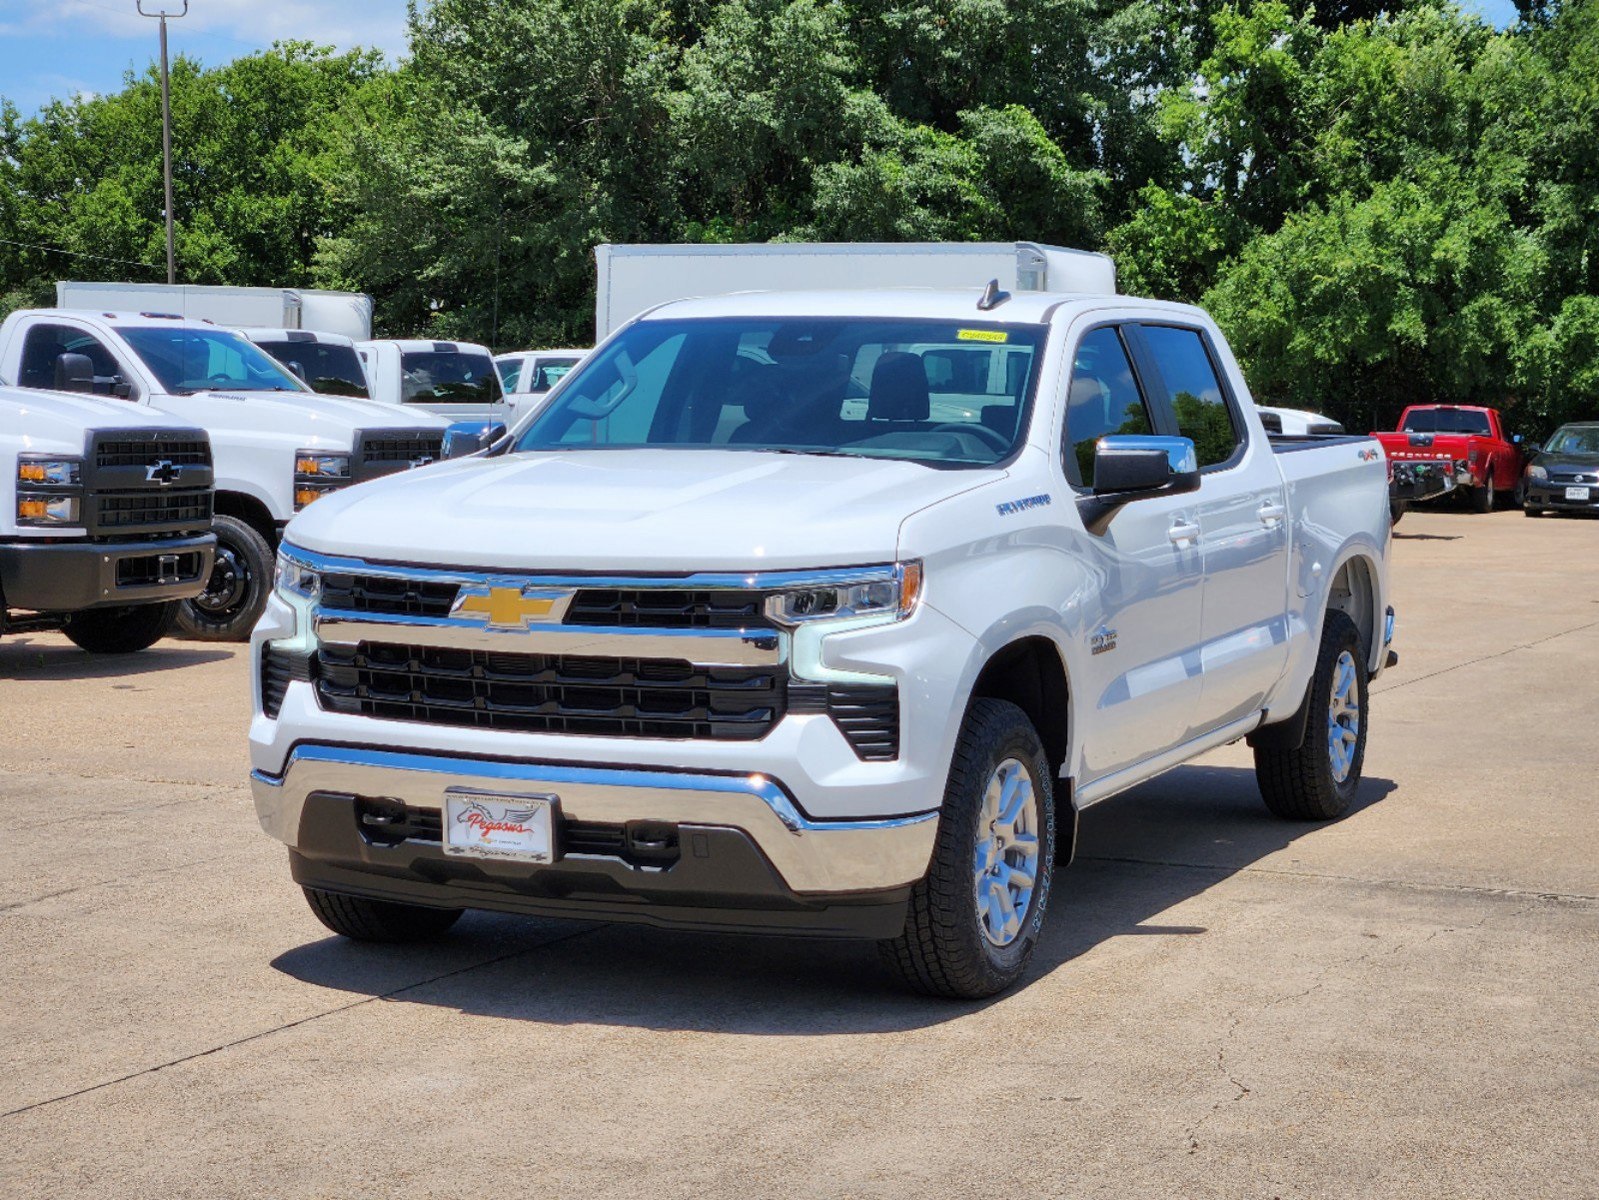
(1271,513)
(1183,532)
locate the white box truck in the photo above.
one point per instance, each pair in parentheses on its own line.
(347,313)
(632,279)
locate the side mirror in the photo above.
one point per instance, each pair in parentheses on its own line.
(468,437)
(74,373)
(297,368)
(1130,467)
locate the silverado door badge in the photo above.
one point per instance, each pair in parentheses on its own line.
(1102,641)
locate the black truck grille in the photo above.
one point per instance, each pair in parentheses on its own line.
(658,608)
(545,693)
(387,594)
(867,714)
(186,510)
(180,452)
(278,669)
(402,446)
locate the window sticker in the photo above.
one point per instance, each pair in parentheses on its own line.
(981,335)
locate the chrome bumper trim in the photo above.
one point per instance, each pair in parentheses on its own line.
(702,647)
(813,857)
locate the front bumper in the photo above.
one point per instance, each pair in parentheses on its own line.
(1553,496)
(73,576)
(748,858)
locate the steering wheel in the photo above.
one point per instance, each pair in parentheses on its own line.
(221,378)
(993,437)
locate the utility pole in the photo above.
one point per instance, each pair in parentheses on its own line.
(166,124)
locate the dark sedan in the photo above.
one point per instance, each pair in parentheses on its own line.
(1564,475)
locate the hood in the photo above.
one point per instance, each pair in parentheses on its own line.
(305,418)
(59,421)
(1568,461)
(627,511)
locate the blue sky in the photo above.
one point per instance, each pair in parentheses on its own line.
(52,48)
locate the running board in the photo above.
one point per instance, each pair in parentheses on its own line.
(1109,785)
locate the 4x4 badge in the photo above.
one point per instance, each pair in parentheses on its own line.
(511,608)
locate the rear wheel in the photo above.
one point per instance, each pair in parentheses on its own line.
(236,592)
(1482,498)
(121,630)
(1317,781)
(366,920)
(974,919)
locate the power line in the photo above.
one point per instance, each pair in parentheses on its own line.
(130,262)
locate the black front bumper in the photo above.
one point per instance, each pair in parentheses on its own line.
(1553,496)
(719,881)
(73,576)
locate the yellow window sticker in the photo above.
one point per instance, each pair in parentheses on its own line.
(981,335)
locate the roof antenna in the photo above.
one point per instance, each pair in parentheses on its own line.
(992,296)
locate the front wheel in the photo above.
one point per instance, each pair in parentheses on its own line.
(974,919)
(236,592)
(364,920)
(1317,781)
(120,630)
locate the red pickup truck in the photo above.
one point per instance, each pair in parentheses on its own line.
(1466,443)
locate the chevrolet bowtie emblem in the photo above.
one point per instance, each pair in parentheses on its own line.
(510,607)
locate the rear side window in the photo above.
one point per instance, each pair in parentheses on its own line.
(510,370)
(1104,398)
(1193,390)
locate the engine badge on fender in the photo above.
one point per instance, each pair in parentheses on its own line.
(1011,507)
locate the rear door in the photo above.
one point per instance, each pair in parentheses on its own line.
(1142,620)
(1242,513)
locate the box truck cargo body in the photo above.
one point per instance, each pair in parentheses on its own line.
(347,313)
(632,279)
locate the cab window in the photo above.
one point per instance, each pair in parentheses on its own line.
(42,348)
(1192,390)
(1104,398)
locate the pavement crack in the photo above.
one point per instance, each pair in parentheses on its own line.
(1378,691)
(306,1020)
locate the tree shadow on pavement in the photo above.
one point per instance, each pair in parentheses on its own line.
(1139,855)
(23,657)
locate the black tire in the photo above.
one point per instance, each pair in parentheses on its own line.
(1530,511)
(121,630)
(366,920)
(944,950)
(1300,785)
(1396,510)
(237,591)
(1482,498)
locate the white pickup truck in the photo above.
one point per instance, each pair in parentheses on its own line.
(457,380)
(821,613)
(277,446)
(105,519)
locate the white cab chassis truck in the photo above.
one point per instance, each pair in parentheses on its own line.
(528,375)
(821,613)
(348,314)
(105,519)
(277,446)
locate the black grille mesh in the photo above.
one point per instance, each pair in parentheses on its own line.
(179,451)
(542,693)
(659,608)
(402,447)
(122,510)
(385,594)
(867,714)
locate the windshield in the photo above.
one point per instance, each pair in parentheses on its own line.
(1446,420)
(188,360)
(331,368)
(448,377)
(1574,439)
(937,392)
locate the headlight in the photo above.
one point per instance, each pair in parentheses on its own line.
(61,472)
(47,510)
(310,465)
(892,591)
(295,578)
(47,490)
(1538,473)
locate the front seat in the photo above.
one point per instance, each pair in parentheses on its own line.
(899,393)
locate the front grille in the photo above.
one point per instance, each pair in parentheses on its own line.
(1572,477)
(387,594)
(180,452)
(547,693)
(402,446)
(122,510)
(659,608)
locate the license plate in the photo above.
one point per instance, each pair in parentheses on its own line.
(518,828)
(1576,493)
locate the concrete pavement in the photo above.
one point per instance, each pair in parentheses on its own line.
(1399,1004)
